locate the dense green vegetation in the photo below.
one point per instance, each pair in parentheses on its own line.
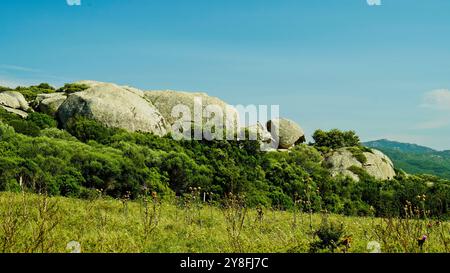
(335,139)
(39,156)
(31,92)
(414,158)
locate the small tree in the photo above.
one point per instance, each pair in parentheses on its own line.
(335,139)
(329,236)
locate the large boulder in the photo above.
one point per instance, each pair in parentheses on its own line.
(286,132)
(49,103)
(344,161)
(256,132)
(14,100)
(259,132)
(165,101)
(91,84)
(113,106)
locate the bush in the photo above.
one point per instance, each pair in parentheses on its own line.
(25,127)
(69,185)
(329,236)
(335,139)
(6,132)
(358,154)
(12,186)
(30,93)
(70,88)
(45,86)
(3,88)
(30,126)
(42,121)
(86,129)
(57,133)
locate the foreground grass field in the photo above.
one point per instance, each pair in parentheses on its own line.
(36,223)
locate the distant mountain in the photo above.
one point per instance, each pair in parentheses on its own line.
(399,146)
(414,158)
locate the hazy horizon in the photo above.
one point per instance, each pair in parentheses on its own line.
(382,71)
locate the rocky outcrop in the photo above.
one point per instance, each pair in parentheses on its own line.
(199,104)
(286,132)
(256,132)
(49,103)
(259,132)
(91,84)
(14,100)
(344,162)
(18,112)
(113,106)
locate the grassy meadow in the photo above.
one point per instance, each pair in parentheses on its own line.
(31,223)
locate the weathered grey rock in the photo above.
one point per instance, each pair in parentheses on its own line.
(18,112)
(377,165)
(90,83)
(257,132)
(287,132)
(113,106)
(14,100)
(165,101)
(49,103)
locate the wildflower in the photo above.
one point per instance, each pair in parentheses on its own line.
(74,247)
(421,241)
(346,242)
(374,247)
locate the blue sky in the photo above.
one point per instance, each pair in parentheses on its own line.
(383,71)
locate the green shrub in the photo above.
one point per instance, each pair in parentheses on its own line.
(3,88)
(6,132)
(43,121)
(70,88)
(358,154)
(30,126)
(365,149)
(57,133)
(30,93)
(69,185)
(25,127)
(335,139)
(86,129)
(45,86)
(358,171)
(6,116)
(329,236)
(12,186)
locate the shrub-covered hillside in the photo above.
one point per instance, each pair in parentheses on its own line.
(414,158)
(37,155)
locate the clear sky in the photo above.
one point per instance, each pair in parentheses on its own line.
(383,71)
